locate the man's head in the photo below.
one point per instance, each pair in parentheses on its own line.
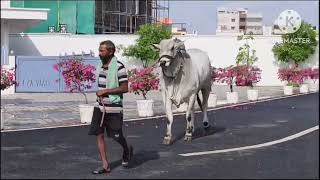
(106,50)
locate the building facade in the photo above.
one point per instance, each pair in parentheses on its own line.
(238,21)
(94,16)
(254,24)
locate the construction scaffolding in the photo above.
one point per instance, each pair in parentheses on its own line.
(126,16)
(160,10)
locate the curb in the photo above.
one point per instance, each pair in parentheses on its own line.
(224,106)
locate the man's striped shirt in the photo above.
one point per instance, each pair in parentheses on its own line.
(122,77)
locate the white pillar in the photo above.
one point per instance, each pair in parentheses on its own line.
(5,34)
(5,28)
(5,4)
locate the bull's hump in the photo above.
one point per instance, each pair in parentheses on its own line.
(195,50)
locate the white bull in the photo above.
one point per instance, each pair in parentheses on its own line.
(183,74)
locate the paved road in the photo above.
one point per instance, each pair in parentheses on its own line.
(71,153)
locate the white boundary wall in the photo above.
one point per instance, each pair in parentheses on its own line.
(222,49)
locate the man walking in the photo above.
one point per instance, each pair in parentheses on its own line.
(112,83)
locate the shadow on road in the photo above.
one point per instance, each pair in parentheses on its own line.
(138,159)
(201,132)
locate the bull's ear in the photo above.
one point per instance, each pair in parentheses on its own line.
(155,47)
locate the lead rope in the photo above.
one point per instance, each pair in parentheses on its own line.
(103,112)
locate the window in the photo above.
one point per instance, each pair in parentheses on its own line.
(223,27)
(233,20)
(232,27)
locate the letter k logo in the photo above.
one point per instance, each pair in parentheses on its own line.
(289,20)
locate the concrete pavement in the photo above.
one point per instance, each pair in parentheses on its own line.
(36,110)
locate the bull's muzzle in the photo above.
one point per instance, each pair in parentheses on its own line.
(164,63)
(165,60)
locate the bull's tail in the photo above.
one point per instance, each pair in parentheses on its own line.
(199,102)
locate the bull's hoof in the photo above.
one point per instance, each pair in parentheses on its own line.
(167,141)
(187,138)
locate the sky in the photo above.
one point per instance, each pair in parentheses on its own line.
(201,15)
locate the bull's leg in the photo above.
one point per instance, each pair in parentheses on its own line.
(205,97)
(168,137)
(190,118)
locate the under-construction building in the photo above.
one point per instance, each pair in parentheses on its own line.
(125,16)
(97,17)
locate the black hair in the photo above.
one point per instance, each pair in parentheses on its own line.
(109,44)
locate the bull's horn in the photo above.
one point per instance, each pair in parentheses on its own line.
(155,46)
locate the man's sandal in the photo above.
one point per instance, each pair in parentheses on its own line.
(101,171)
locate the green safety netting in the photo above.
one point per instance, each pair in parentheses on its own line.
(78,15)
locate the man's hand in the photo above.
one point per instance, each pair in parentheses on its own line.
(100,93)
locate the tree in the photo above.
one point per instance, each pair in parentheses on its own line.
(247,74)
(244,57)
(148,34)
(297,46)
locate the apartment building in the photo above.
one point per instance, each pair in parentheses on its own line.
(238,21)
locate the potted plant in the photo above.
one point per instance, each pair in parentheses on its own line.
(293,78)
(78,77)
(141,81)
(312,74)
(228,75)
(249,76)
(7,80)
(301,77)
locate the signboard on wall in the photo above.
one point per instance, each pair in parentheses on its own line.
(36,74)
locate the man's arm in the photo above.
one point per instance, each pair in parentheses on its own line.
(123,88)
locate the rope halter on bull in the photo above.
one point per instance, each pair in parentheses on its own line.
(179,56)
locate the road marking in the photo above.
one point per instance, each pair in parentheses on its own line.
(161,116)
(255,146)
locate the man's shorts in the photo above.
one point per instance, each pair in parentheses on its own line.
(112,123)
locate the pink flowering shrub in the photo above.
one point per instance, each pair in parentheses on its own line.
(240,75)
(294,76)
(77,76)
(143,80)
(311,73)
(226,75)
(247,75)
(7,78)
